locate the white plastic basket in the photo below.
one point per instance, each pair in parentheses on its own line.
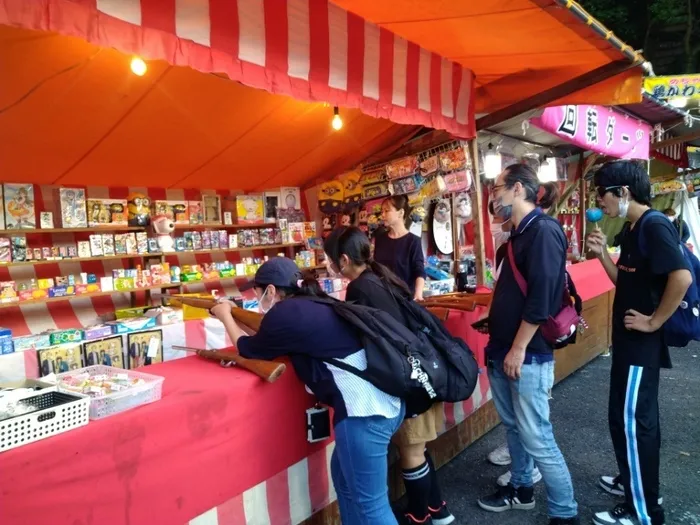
(42,415)
(110,404)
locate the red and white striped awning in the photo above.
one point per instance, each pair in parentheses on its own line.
(307,49)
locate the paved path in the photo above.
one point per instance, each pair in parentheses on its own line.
(579,414)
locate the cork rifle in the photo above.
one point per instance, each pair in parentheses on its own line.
(270,371)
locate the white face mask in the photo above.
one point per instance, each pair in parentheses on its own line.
(261,303)
(670,218)
(624,206)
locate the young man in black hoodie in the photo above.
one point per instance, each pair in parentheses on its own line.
(520,360)
(649,288)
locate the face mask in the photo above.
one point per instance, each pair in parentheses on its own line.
(505,212)
(670,218)
(624,207)
(261,303)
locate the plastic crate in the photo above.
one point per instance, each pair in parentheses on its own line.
(110,404)
(40,416)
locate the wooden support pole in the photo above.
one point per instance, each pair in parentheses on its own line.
(472,152)
(583,199)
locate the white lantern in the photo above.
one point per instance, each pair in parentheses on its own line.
(492,162)
(547,171)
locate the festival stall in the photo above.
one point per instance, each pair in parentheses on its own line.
(90,146)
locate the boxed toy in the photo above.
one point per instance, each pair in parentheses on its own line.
(107,212)
(8,292)
(20,213)
(250,209)
(70,335)
(32,342)
(108,244)
(63,290)
(96,245)
(212,209)
(72,211)
(135,324)
(196,212)
(5,250)
(33,295)
(96,332)
(6,341)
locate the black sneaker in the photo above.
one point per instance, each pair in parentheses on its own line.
(620,515)
(508,498)
(565,521)
(441,516)
(612,485)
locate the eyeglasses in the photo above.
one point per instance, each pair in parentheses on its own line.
(602,190)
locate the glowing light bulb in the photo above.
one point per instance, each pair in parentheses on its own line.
(337,122)
(492,162)
(138,66)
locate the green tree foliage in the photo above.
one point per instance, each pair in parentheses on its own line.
(668,31)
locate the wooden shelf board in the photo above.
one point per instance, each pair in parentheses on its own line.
(75,230)
(224,226)
(80,259)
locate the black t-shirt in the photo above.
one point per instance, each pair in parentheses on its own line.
(641,281)
(403,256)
(369,290)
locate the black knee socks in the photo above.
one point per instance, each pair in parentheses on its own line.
(417,483)
(435,500)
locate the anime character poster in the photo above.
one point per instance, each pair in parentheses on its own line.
(19,207)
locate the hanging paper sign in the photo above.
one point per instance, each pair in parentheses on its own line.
(429,165)
(375,191)
(677,86)
(453,160)
(599,129)
(458,181)
(402,168)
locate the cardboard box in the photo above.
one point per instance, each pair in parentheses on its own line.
(70,335)
(33,295)
(107,212)
(96,332)
(136,324)
(32,342)
(168,316)
(6,346)
(72,211)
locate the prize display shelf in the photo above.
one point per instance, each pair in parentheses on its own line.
(107,229)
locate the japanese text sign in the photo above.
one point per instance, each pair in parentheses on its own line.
(673,87)
(599,129)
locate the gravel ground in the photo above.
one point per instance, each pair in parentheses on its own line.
(579,413)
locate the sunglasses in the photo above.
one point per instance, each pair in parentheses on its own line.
(602,190)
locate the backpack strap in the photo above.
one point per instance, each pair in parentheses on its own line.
(522,283)
(641,238)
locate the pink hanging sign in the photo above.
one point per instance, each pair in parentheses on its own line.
(599,129)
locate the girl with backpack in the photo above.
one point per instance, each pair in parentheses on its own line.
(374,285)
(365,418)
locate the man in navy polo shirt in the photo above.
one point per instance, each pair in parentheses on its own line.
(521,361)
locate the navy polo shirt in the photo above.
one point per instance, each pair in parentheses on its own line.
(539,249)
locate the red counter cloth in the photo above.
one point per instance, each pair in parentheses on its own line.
(216,432)
(590,279)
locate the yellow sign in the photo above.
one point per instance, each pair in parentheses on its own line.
(686,86)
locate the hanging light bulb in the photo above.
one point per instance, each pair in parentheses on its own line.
(492,162)
(138,66)
(337,122)
(547,171)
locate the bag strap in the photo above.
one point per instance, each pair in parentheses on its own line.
(522,283)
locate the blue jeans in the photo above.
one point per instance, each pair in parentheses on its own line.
(359,467)
(523,406)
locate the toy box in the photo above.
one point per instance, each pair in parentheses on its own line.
(168,316)
(107,212)
(6,346)
(5,250)
(178,211)
(32,342)
(33,295)
(96,245)
(8,292)
(70,335)
(212,209)
(250,209)
(196,212)
(62,290)
(72,211)
(108,245)
(20,213)
(96,332)
(83,288)
(19,249)
(135,324)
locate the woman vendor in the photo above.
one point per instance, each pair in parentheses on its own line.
(373,284)
(398,249)
(365,418)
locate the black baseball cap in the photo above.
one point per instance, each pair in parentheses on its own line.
(280,272)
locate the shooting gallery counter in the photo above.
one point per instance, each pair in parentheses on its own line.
(223,448)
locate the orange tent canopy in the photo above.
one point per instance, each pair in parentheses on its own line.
(516,48)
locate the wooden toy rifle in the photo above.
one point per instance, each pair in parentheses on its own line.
(268,370)
(458,301)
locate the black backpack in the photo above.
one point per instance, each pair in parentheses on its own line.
(422,364)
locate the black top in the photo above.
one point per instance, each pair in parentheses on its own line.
(369,290)
(307,332)
(403,256)
(641,281)
(539,249)
(682,229)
